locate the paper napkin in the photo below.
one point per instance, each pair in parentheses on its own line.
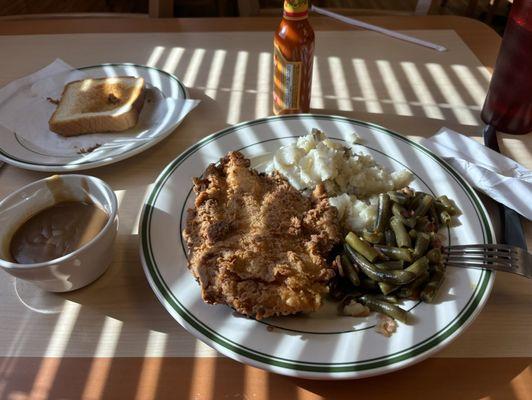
(496,175)
(27,104)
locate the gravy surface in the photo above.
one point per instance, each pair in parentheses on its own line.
(56,231)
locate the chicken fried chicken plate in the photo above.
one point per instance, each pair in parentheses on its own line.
(256,243)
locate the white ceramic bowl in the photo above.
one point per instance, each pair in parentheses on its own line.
(73,270)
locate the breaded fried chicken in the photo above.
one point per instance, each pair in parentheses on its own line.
(256,243)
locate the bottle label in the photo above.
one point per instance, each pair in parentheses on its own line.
(286,81)
(295,9)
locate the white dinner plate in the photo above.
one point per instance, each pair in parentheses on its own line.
(15,150)
(321,345)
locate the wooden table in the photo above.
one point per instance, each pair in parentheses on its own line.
(114,340)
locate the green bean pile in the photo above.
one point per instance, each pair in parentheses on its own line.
(400,258)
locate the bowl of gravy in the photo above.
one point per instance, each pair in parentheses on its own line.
(58,232)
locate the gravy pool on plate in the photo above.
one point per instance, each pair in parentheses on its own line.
(56,231)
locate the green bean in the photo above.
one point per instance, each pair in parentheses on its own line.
(372,237)
(349,270)
(398,197)
(409,291)
(401,236)
(423,206)
(387,288)
(447,205)
(422,244)
(412,233)
(434,256)
(391,265)
(399,211)
(414,201)
(408,192)
(403,215)
(436,241)
(338,263)
(383,213)
(445,218)
(418,266)
(395,277)
(435,281)
(425,225)
(410,222)
(388,299)
(433,217)
(369,284)
(395,253)
(375,304)
(389,237)
(360,246)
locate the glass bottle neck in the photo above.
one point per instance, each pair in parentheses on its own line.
(295,10)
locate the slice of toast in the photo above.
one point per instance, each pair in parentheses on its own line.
(98,105)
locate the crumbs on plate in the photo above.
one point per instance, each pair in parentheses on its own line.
(87,150)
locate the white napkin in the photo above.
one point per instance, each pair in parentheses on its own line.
(496,175)
(25,108)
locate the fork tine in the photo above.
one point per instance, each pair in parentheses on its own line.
(483,246)
(484,259)
(479,265)
(482,255)
(455,249)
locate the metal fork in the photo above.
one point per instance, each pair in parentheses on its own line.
(499,257)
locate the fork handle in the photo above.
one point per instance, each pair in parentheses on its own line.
(512,230)
(511,227)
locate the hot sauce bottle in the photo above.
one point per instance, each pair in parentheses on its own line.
(293,53)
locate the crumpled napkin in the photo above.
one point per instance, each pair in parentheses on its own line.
(26,106)
(498,176)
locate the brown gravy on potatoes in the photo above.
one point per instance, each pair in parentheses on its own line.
(56,231)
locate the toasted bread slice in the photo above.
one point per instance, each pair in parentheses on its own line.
(98,105)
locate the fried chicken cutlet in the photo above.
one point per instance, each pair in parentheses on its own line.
(256,243)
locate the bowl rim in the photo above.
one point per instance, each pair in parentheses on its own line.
(113,214)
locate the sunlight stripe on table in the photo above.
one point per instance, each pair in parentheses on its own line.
(155,56)
(237,87)
(470,83)
(10,357)
(366,86)
(400,104)
(304,394)
(451,95)
(203,377)
(173,59)
(421,90)
(485,73)
(215,71)
(341,89)
(316,93)
(255,383)
(202,350)
(263,102)
(521,385)
(151,366)
(101,363)
(56,348)
(193,67)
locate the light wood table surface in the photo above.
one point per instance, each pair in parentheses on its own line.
(114,340)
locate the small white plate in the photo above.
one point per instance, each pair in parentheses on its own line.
(322,345)
(15,150)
